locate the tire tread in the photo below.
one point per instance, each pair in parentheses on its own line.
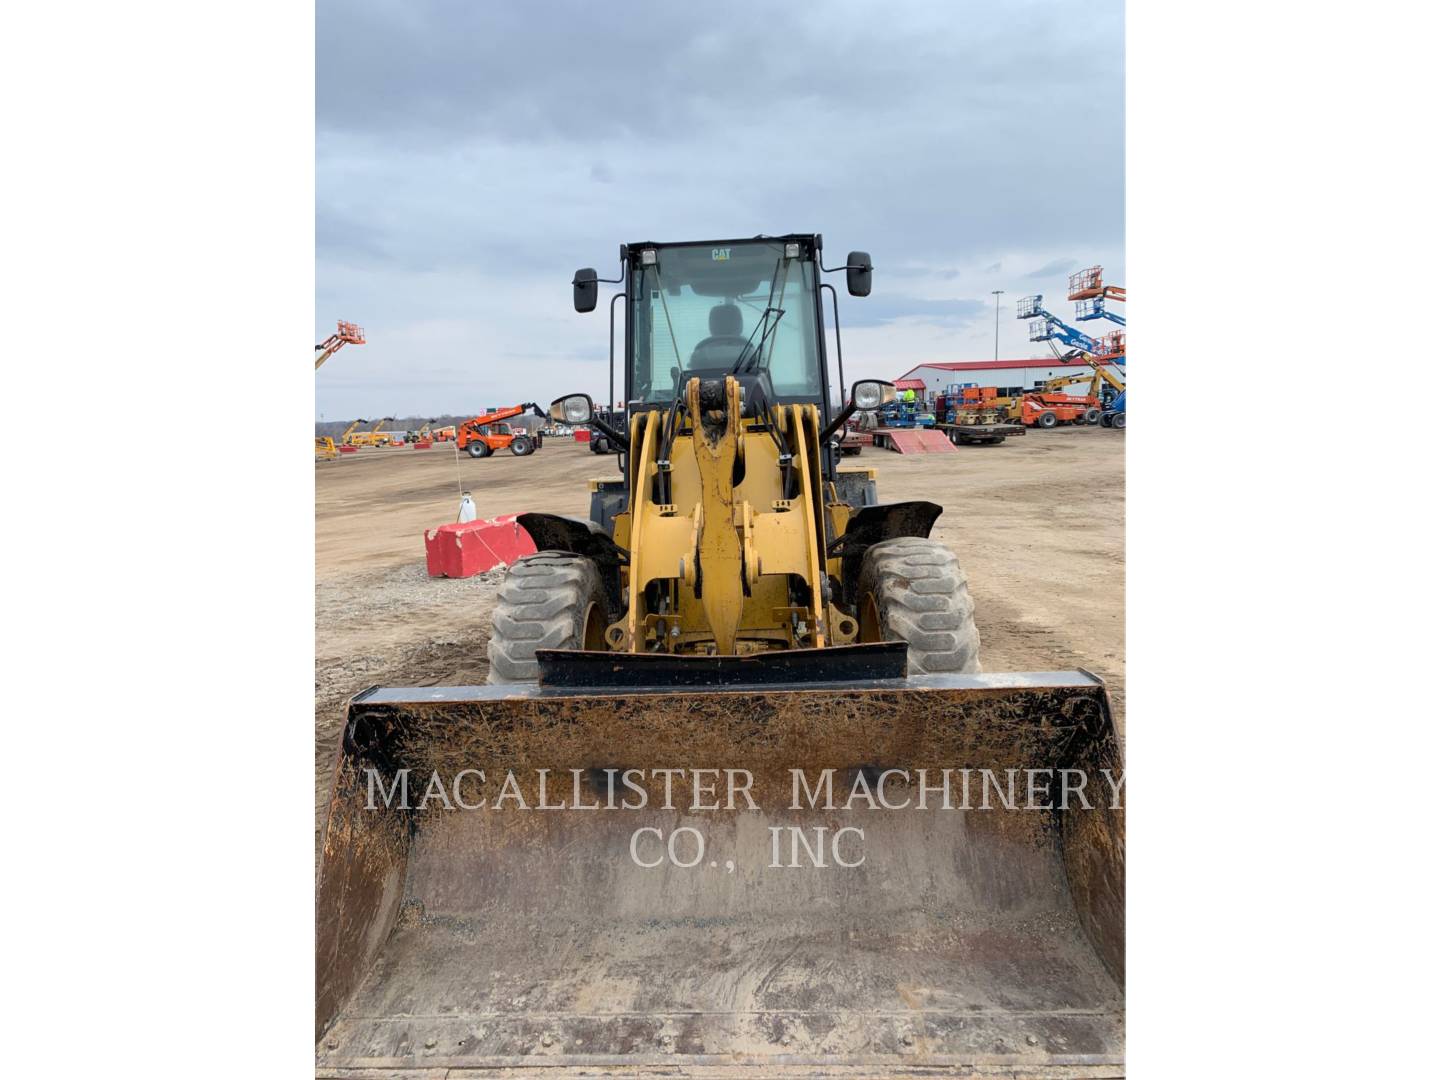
(542,605)
(923,599)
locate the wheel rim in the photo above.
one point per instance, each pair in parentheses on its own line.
(869,620)
(592,633)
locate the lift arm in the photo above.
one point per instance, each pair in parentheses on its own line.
(346,333)
(1046,327)
(504,414)
(1095,309)
(1100,375)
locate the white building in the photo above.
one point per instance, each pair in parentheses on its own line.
(1009,376)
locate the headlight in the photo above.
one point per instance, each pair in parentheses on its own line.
(871,394)
(572,409)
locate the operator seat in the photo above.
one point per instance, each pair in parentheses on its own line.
(722,348)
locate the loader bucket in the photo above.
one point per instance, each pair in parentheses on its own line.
(957,937)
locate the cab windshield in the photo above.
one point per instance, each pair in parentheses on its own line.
(716,309)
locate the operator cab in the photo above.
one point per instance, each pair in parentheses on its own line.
(748,308)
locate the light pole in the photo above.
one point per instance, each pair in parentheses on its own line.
(996,293)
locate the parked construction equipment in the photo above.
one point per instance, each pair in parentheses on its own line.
(482,435)
(1089,291)
(373,437)
(981,407)
(345,334)
(422,433)
(327,446)
(736,601)
(1105,391)
(969,417)
(1040,408)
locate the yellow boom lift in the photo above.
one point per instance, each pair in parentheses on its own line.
(345,334)
(325,445)
(371,437)
(1102,378)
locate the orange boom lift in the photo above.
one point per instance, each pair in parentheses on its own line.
(346,333)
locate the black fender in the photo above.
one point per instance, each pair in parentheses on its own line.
(551,532)
(872,524)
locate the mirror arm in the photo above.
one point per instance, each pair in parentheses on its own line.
(839,421)
(621,440)
(846,266)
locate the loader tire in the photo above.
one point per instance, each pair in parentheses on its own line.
(478,449)
(549,600)
(521,446)
(1047,420)
(1119,421)
(913,590)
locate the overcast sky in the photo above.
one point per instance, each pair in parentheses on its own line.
(471,155)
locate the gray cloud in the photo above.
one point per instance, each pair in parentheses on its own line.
(471,155)
(881,309)
(1054,267)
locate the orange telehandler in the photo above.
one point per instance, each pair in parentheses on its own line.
(482,435)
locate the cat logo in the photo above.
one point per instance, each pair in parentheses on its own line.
(719,254)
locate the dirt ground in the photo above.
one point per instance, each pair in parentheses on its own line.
(1038,523)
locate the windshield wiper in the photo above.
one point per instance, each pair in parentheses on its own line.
(747,356)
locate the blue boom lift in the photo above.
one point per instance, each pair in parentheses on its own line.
(1089,291)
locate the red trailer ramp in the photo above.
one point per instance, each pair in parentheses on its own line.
(914,441)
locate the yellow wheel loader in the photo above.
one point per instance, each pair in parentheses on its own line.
(737,798)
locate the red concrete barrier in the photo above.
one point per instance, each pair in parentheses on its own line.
(421,444)
(463,550)
(349,449)
(582,434)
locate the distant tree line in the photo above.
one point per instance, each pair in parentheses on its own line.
(336,428)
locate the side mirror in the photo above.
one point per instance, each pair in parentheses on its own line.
(573,409)
(857,273)
(587,289)
(871,394)
(865,395)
